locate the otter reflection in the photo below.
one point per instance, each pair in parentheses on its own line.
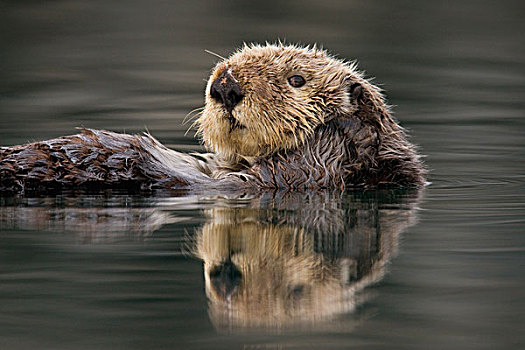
(278,267)
(273,260)
(91,219)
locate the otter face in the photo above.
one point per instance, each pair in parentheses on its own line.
(264,99)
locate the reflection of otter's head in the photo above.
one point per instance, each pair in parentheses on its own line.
(272,275)
(263,99)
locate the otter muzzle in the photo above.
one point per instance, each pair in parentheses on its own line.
(226,89)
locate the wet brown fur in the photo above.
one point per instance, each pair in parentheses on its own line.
(321,135)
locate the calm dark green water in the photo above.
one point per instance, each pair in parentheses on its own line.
(441,269)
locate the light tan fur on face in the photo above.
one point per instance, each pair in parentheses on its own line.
(275,115)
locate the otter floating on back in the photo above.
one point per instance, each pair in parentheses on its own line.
(276,116)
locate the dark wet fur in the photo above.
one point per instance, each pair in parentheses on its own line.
(93,159)
(341,154)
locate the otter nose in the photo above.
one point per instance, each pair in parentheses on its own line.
(225,278)
(227,90)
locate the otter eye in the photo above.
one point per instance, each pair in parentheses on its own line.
(296,81)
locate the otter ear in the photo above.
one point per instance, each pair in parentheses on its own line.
(356,91)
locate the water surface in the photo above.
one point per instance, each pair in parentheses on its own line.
(441,268)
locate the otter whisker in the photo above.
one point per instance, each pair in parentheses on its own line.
(215,54)
(194,123)
(192,114)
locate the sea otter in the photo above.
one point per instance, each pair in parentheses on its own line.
(276,116)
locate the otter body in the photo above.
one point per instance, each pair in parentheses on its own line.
(276,116)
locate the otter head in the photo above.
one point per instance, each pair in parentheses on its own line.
(266,99)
